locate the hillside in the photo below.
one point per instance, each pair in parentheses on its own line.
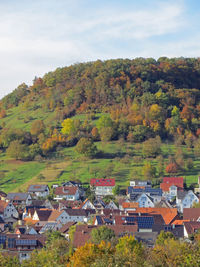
(141,115)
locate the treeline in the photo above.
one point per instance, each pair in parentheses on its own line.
(125,251)
(142,99)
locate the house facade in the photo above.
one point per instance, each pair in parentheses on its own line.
(19,198)
(70,193)
(39,190)
(186,199)
(7,210)
(102,187)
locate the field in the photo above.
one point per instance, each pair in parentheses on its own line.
(117,159)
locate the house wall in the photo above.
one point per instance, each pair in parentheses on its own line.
(10,211)
(104,190)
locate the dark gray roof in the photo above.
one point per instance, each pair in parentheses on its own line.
(17,196)
(37,188)
(76,212)
(147,190)
(181,194)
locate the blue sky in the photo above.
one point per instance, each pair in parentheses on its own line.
(39,36)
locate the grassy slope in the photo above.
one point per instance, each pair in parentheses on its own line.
(18,175)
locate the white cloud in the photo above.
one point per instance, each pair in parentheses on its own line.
(32,43)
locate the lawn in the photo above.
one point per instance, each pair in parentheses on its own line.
(117,159)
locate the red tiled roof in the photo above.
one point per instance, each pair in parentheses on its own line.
(102,182)
(191,214)
(66,190)
(192,227)
(165,186)
(174,180)
(130,205)
(168,214)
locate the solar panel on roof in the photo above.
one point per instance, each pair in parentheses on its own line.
(145,222)
(26,242)
(99,220)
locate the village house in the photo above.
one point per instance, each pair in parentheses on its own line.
(153,195)
(23,244)
(191,228)
(7,210)
(67,192)
(69,215)
(41,190)
(102,187)
(19,198)
(191,214)
(185,199)
(140,184)
(170,186)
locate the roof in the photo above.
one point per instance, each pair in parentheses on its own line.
(3,194)
(76,212)
(130,205)
(17,196)
(102,182)
(147,190)
(168,214)
(192,227)
(3,205)
(37,188)
(174,180)
(166,186)
(191,214)
(82,233)
(181,194)
(66,190)
(43,214)
(54,215)
(66,227)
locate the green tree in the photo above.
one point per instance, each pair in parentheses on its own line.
(163,236)
(17,150)
(86,147)
(116,190)
(102,233)
(104,121)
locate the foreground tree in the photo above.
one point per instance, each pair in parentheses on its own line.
(102,233)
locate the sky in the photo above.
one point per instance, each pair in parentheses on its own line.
(41,35)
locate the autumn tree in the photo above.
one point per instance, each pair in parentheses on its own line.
(172,168)
(17,150)
(86,147)
(37,127)
(151,147)
(149,171)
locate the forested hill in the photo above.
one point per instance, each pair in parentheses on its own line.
(104,101)
(161,96)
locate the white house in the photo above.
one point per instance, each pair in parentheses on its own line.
(68,215)
(186,199)
(40,190)
(67,192)
(103,186)
(8,210)
(19,198)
